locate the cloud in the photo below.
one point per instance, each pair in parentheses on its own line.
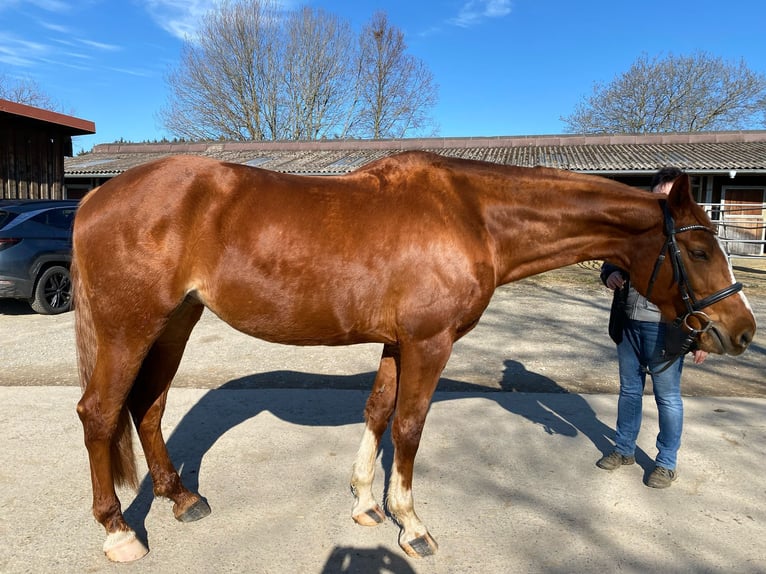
(475,11)
(52,5)
(11,59)
(17,51)
(139,72)
(56,28)
(57,6)
(181,18)
(99,45)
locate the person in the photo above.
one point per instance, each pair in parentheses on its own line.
(640,338)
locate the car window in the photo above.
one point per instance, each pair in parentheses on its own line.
(61,218)
(5,216)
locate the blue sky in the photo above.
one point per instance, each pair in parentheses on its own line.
(504,67)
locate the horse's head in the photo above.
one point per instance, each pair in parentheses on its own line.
(689,276)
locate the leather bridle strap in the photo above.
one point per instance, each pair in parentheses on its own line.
(679,271)
(717,296)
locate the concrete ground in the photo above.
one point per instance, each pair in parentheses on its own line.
(505,476)
(506,482)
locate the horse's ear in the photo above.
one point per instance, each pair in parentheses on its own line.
(680,194)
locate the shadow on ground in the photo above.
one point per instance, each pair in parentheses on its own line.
(222,409)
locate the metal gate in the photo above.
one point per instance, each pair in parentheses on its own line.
(741,223)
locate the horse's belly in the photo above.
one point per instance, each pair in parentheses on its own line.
(298,322)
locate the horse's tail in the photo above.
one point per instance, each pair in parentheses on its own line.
(122,457)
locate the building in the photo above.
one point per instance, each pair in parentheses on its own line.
(33,143)
(728,169)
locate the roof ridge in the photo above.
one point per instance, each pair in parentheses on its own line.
(741,136)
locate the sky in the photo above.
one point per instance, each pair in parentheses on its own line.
(503,67)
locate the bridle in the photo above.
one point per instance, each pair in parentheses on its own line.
(693,305)
(670,247)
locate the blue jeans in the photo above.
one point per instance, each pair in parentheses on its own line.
(643,344)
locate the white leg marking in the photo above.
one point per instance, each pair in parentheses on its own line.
(401,505)
(361,480)
(123,546)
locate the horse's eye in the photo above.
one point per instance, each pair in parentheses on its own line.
(698,254)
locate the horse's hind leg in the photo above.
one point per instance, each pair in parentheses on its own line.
(377,413)
(147,403)
(123,362)
(106,426)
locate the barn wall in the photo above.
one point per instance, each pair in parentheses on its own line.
(32,160)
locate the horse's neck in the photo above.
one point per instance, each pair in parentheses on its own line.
(562,223)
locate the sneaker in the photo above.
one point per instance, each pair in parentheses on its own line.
(615,460)
(661,477)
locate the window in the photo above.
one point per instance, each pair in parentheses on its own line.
(62,218)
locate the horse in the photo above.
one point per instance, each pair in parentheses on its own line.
(406,252)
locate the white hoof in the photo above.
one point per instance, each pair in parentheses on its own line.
(123,546)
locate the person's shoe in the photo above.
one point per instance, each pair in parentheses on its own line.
(661,477)
(615,460)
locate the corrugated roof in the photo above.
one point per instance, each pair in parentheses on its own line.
(696,153)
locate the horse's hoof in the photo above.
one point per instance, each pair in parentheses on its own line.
(372,517)
(123,546)
(421,546)
(199,509)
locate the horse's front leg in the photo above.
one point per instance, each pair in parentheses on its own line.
(380,406)
(421,366)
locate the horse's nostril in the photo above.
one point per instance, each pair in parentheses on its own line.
(746,338)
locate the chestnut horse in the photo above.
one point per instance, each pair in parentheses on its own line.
(406,252)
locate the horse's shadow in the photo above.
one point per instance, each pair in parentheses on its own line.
(221,409)
(345,560)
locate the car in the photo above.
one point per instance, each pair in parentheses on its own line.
(36,253)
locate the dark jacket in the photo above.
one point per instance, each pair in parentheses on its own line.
(617,315)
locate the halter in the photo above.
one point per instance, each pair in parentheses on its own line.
(693,305)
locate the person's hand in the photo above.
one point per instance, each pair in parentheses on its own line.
(699,356)
(615,280)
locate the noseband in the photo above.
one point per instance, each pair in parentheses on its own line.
(693,305)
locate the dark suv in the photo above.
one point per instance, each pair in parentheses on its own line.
(35,253)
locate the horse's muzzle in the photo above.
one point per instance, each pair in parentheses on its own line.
(717,340)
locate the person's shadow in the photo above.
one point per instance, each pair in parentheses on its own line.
(577,417)
(565,417)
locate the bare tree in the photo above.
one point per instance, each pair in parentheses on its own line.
(258,73)
(226,86)
(673,94)
(395,91)
(317,65)
(26,91)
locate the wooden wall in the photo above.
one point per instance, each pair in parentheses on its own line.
(32,160)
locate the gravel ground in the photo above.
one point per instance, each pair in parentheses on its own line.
(543,334)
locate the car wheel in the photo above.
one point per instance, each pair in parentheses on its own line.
(53,292)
